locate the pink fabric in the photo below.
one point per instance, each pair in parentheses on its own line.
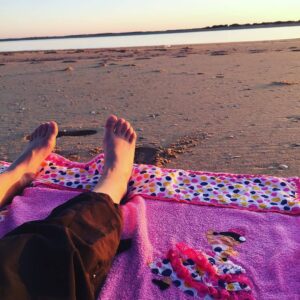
(270,255)
(33,204)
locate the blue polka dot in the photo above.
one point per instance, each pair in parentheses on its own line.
(166,272)
(189,292)
(177,283)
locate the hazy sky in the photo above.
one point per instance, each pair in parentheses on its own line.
(20,18)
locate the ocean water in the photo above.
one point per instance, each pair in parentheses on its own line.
(203,37)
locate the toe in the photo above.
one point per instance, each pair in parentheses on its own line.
(119,126)
(43,130)
(124,128)
(128,133)
(52,128)
(37,132)
(32,135)
(111,122)
(132,137)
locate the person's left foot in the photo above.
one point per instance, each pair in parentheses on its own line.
(119,146)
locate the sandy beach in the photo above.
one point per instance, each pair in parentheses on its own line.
(216,107)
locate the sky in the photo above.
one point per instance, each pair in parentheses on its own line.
(27,18)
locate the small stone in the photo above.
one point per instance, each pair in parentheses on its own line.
(283,167)
(70,69)
(230,136)
(92,112)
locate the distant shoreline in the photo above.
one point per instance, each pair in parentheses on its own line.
(208,28)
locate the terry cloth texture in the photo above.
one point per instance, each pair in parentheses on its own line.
(65,256)
(181,251)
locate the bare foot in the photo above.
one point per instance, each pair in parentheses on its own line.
(41,144)
(119,146)
(22,171)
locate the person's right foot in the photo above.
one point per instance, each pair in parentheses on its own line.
(23,170)
(41,143)
(119,146)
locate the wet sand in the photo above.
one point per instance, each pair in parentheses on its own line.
(219,107)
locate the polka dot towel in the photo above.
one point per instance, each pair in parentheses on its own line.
(251,192)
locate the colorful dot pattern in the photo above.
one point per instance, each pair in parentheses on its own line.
(251,192)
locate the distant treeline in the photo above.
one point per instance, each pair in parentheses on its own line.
(208,28)
(278,23)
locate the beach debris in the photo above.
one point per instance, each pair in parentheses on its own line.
(295,145)
(219,52)
(200,73)
(179,56)
(92,112)
(142,58)
(154,115)
(69,61)
(159,71)
(2,65)
(69,69)
(139,129)
(76,132)
(219,76)
(34,62)
(283,83)
(129,65)
(283,167)
(257,50)
(104,65)
(294,118)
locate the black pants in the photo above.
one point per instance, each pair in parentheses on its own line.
(65,256)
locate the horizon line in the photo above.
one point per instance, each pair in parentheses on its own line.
(207,28)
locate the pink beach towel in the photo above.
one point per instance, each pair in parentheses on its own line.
(263,250)
(187,240)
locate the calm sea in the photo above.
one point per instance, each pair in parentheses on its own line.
(220,36)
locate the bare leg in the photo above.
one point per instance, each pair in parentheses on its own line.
(119,147)
(22,171)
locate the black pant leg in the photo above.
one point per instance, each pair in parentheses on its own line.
(65,256)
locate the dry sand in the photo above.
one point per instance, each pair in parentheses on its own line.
(218,107)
